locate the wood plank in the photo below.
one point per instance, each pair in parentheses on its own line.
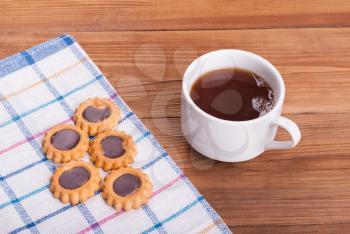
(109,15)
(304,189)
(157,60)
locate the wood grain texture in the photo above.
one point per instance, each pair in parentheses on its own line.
(304,190)
(82,15)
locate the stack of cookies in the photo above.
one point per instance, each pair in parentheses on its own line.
(76,181)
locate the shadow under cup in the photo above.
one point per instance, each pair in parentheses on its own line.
(225,140)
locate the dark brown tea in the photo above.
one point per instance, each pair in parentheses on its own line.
(233,94)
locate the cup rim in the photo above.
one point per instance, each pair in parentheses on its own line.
(264,61)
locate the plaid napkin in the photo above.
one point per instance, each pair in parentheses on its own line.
(40,88)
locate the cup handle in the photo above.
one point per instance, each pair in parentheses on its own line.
(293,131)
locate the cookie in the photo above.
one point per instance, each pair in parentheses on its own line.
(126,188)
(64,143)
(96,115)
(75,182)
(112,149)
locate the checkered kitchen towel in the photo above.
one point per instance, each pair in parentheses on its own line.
(41,87)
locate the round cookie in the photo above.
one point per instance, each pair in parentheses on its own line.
(96,115)
(112,149)
(126,188)
(64,143)
(75,182)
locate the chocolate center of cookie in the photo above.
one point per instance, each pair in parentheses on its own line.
(95,114)
(65,139)
(126,184)
(112,147)
(74,178)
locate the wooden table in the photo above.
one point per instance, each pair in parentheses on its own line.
(143,48)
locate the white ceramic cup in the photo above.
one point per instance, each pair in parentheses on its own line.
(234,141)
